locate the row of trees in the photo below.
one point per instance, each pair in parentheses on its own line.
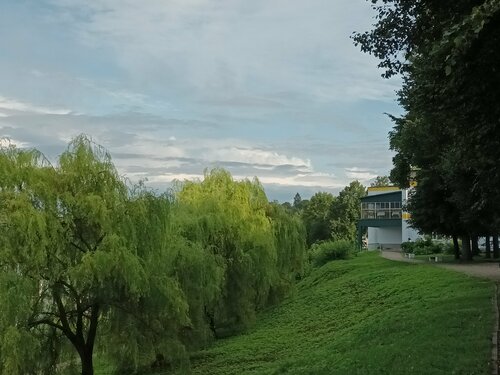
(329,217)
(90,263)
(447,54)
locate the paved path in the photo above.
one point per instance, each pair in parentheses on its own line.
(485,270)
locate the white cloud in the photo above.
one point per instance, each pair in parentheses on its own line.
(268,88)
(360,174)
(220,50)
(15,105)
(253,156)
(5,142)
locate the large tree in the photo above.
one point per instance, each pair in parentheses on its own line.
(72,258)
(345,212)
(258,246)
(316,217)
(446,52)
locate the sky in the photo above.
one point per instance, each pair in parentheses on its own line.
(273,89)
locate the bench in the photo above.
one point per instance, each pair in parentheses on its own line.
(435,259)
(409,255)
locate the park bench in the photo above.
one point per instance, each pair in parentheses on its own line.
(435,259)
(409,255)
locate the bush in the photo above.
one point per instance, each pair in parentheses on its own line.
(448,248)
(422,247)
(331,250)
(407,247)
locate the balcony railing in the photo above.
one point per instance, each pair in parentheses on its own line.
(381,210)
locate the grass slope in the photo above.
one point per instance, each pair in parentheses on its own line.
(366,316)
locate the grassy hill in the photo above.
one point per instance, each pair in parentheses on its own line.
(367,316)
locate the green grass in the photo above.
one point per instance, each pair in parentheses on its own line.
(366,315)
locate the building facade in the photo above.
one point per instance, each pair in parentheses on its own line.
(383,222)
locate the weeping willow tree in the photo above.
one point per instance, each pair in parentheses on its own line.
(290,241)
(78,251)
(90,264)
(231,222)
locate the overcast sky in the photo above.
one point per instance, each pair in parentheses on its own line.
(266,88)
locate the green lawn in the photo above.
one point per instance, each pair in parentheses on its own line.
(367,315)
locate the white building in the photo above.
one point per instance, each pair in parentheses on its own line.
(384,220)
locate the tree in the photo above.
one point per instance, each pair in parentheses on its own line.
(446,55)
(297,200)
(71,253)
(290,241)
(258,246)
(381,181)
(316,217)
(345,212)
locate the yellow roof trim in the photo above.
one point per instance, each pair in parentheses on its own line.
(383,188)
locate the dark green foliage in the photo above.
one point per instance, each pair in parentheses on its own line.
(316,217)
(325,252)
(327,217)
(345,212)
(447,54)
(423,247)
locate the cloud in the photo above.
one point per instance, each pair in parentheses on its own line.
(273,89)
(360,174)
(6,142)
(10,105)
(159,156)
(234,53)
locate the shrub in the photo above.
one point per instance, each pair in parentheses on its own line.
(407,247)
(448,248)
(422,247)
(325,252)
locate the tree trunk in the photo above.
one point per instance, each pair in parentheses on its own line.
(495,246)
(466,250)
(475,246)
(87,363)
(456,248)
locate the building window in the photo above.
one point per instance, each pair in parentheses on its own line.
(381,210)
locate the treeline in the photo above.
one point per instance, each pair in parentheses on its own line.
(447,54)
(89,263)
(328,217)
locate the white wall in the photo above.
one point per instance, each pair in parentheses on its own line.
(383,236)
(409,233)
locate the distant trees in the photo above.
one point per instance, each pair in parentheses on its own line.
(316,216)
(446,53)
(90,263)
(329,217)
(345,212)
(381,181)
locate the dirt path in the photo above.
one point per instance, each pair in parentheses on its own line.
(485,270)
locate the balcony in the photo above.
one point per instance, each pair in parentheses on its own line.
(381,210)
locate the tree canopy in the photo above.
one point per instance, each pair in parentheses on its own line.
(447,56)
(90,263)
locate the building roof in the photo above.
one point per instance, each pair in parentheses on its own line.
(393,196)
